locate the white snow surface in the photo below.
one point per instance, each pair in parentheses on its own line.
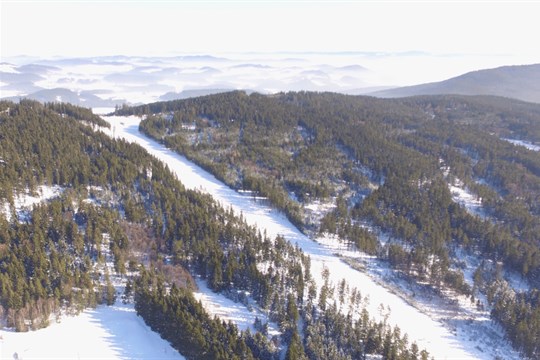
(107,332)
(471,202)
(24,202)
(43,193)
(525,144)
(438,338)
(228,310)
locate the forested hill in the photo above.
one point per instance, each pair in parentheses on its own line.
(387,163)
(518,82)
(115,203)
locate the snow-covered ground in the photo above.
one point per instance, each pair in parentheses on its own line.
(458,340)
(107,332)
(462,196)
(23,203)
(526,144)
(454,330)
(236,312)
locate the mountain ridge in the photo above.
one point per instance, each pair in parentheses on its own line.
(520,82)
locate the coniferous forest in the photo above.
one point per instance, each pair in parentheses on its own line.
(117,201)
(387,167)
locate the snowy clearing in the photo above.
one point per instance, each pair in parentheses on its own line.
(471,202)
(236,312)
(107,332)
(525,144)
(23,203)
(438,338)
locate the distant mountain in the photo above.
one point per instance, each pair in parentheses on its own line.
(518,82)
(83,98)
(369,90)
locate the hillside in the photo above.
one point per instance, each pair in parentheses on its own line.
(392,166)
(79,209)
(517,82)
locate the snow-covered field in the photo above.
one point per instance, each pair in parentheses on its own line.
(107,332)
(459,340)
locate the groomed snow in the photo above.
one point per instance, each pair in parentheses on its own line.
(107,332)
(438,339)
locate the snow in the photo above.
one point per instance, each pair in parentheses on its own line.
(228,310)
(107,332)
(462,195)
(438,338)
(470,324)
(24,202)
(447,331)
(525,144)
(468,200)
(102,110)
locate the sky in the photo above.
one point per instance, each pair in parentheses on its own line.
(96,28)
(403,42)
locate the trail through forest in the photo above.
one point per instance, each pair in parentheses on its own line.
(438,339)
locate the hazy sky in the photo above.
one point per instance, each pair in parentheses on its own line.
(91,28)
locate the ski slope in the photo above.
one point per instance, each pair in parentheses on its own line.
(441,341)
(107,332)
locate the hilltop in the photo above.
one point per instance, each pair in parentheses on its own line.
(520,82)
